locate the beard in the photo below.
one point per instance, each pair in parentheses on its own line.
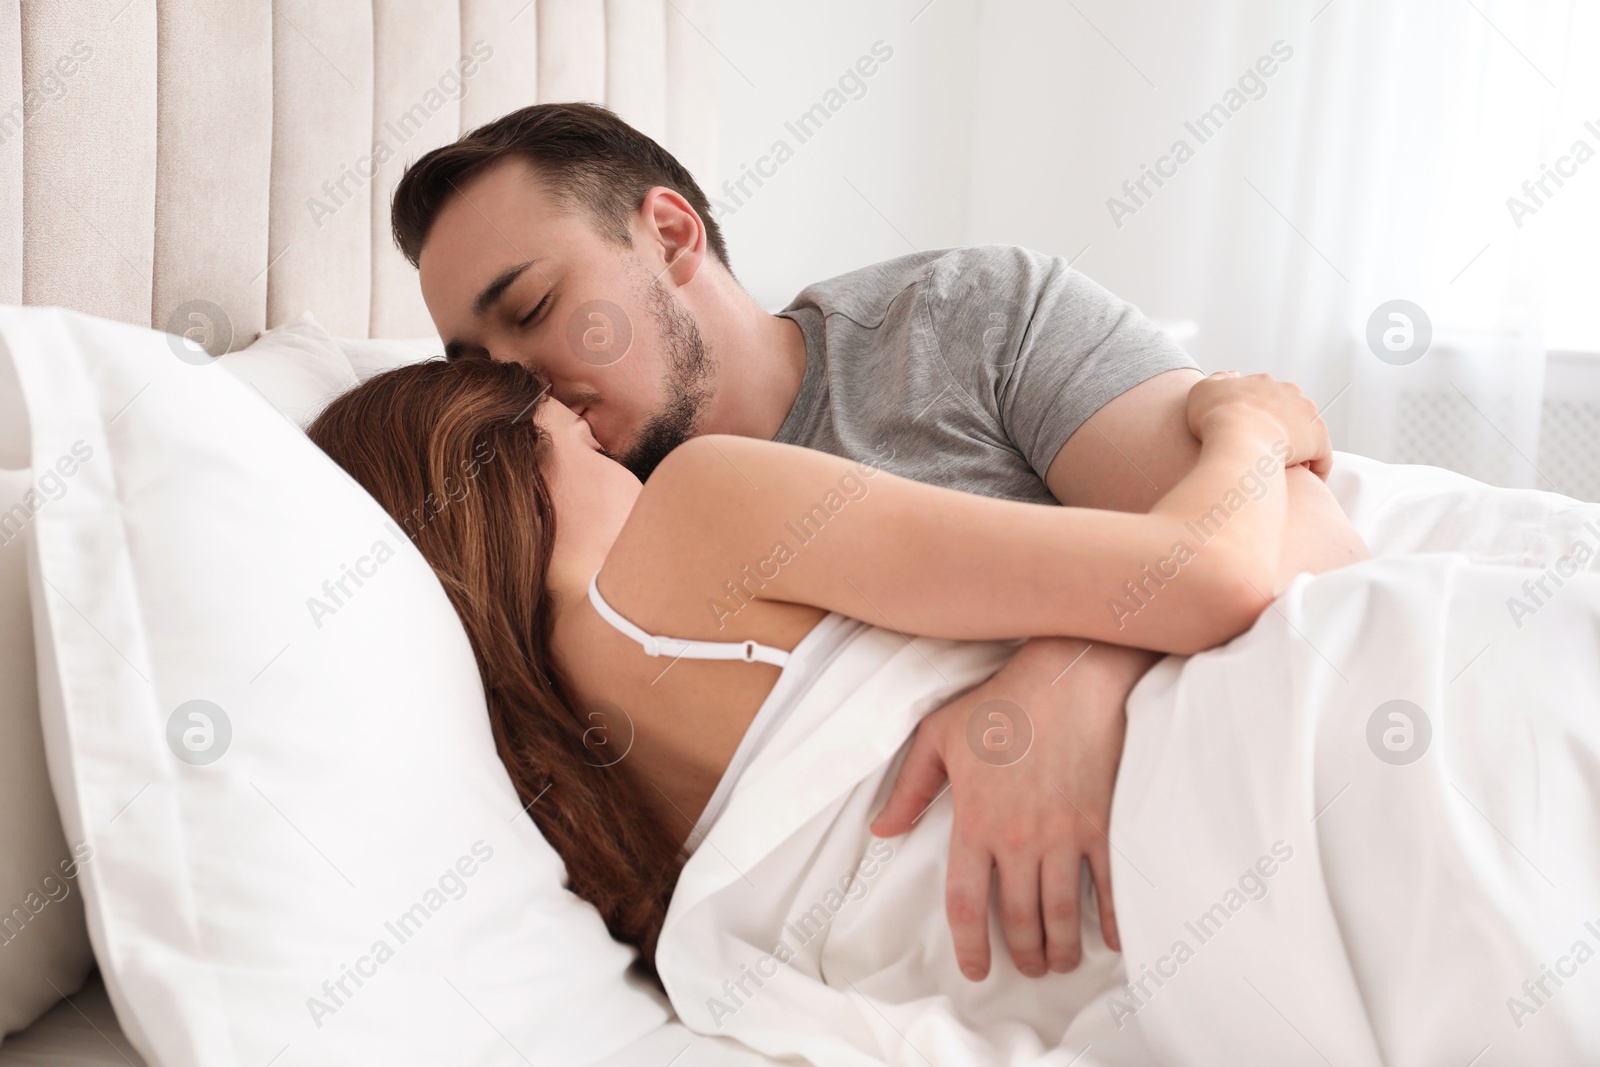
(687,384)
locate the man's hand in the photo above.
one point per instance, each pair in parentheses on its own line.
(1215,400)
(1035,814)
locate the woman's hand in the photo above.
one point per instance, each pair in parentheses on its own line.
(1225,403)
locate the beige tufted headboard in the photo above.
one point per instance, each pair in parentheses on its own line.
(158,156)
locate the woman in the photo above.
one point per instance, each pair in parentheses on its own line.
(562,565)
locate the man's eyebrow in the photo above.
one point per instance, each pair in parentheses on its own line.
(495,289)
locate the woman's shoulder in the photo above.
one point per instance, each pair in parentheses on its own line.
(722,489)
(707,517)
(716,456)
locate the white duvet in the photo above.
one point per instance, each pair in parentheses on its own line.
(1365,832)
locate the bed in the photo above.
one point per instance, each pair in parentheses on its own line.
(220,171)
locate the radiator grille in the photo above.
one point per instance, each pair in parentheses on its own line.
(1569,446)
(1440,427)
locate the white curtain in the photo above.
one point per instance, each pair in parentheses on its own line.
(1414,126)
(1374,165)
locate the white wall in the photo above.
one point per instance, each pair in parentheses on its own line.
(1007,121)
(885,175)
(1076,99)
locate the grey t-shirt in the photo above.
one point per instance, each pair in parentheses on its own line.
(965,367)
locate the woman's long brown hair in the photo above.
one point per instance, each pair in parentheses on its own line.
(451,452)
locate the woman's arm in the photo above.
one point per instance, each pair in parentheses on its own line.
(730,519)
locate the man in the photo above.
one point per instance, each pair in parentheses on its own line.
(561,238)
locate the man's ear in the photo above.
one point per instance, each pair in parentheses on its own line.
(674,236)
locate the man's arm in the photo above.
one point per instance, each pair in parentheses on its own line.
(1034,817)
(1038,820)
(1132,450)
(1138,446)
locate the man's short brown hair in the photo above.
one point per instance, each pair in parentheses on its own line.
(588,157)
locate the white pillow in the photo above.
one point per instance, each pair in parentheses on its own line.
(374,355)
(326,861)
(298,367)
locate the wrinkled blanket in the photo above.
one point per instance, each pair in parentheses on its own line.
(1365,832)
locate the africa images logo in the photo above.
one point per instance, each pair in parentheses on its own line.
(199,732)
(1398,732)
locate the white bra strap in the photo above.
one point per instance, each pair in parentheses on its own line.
(745,651)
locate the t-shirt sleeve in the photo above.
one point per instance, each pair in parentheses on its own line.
(1046,346)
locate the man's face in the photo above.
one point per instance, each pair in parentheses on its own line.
(510,273)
